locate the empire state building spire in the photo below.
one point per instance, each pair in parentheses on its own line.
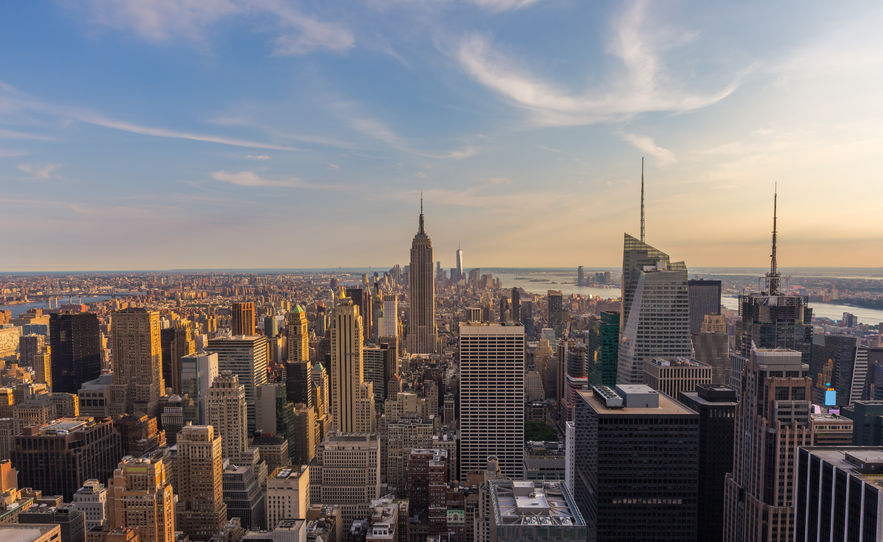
(422,336)
(420,228)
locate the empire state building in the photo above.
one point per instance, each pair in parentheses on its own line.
(422,337)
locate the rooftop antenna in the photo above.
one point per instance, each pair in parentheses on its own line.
(421,213)
(773,275)
(642,199)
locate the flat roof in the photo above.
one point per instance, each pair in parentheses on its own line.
(840,457)
(534,504)
(667,405)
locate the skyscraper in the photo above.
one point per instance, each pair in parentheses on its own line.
(422,337)
(288,494)
(460,274)
(299,382)
(246,357)
(75,350)
(608,352)
(772,421)
(176,342)
(657,317)
(389,322)
(352,398)
(362,299)
(298,335)
(140,497)
(346,472)
(636,464)
(555,311)
(516,305)
(716,406)
(198,371)
(201,511)
(491,397)
(705,298)
(242,318)
(227,413)
(137,361)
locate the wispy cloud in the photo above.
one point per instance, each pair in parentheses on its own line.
(190,20)
(253,179)
(42,173)
(664,157)
(503,5)
(258,156)
(17,134)
(496,180)
(642,86)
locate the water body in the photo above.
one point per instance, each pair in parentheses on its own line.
(21,308)
(825,310)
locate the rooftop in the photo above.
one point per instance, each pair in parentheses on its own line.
(679,361)
(865,462)
(667,405)
(533,503)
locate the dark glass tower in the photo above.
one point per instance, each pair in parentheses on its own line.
(75,350)
(608,353)
(705,298)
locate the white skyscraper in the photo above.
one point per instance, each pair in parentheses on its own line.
(389,322)
(492,397)
(198,371)
(460,275)
(246,357)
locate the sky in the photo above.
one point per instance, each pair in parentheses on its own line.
(157,134)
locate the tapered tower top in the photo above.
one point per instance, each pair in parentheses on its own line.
(420,228)
(772,278)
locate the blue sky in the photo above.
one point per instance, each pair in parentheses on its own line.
(262,133)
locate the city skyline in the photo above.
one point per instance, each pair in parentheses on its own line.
(273,113)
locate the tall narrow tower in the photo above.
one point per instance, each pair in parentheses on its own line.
(460,275)
(201,511)
(352,399)
(642,199)
(243,318)
(422,336)
(137,361)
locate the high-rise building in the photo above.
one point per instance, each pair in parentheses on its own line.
(491,397)
(705,298)
(352,398)
(91,500)
(672,376)
(772,421)
(242,318)
(246,357)
(834,367)
(555,311)
(244,495)
(716,406)
(380,363)
(303,445)
(33,352)
(175,342)
(71,520)
(712,347)
(288,494)
(608,352)
(838,495)
(75,350)
(636,484)
(346,472)
(227,413)
(201,511)
(389,322)
(460,273)
(516,305)
(299,382)
(867,419)
(141,498)
(321,391)
(422,336)
(362,299)
(298,335)
(534,511)
(198,371)
(137,361)
(58,457)
(656,322)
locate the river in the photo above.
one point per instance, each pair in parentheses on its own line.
(21,308)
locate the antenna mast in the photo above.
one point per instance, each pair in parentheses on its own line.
(642,199)
(773,275)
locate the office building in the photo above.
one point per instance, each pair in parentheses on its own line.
(198,371)
(608,352)
(426,484)
(75,350)
(242,319)
(491,397)
(838,494)
(175,343)
(711,346)
(657,321)
(94,397)
(831,430)
(137,362)
(671,376)
(772,421)
(227,414)
(380,363)
(636,484)
(362,300)
(704,299)
(555,311)
(527,510)
(86,448)
(91,500)
(141,498)
(716,406)
(30,533)
(71,520)
(288,494)
(461,274)
(243,495)
(422,336)
(389,322)
(352,398)
(303,444)
(836,362)
(867,419)
(201,511)
(246,357)
(298,335)
(299,382)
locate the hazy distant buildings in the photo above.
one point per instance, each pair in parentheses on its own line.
(422,337)
(705,298)
(491,398)
(656,318)
(137,361)
(246,357)
(772,421)
(242,318)
(636,484)
(75,350)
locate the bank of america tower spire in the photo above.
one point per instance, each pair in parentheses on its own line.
(421,322)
